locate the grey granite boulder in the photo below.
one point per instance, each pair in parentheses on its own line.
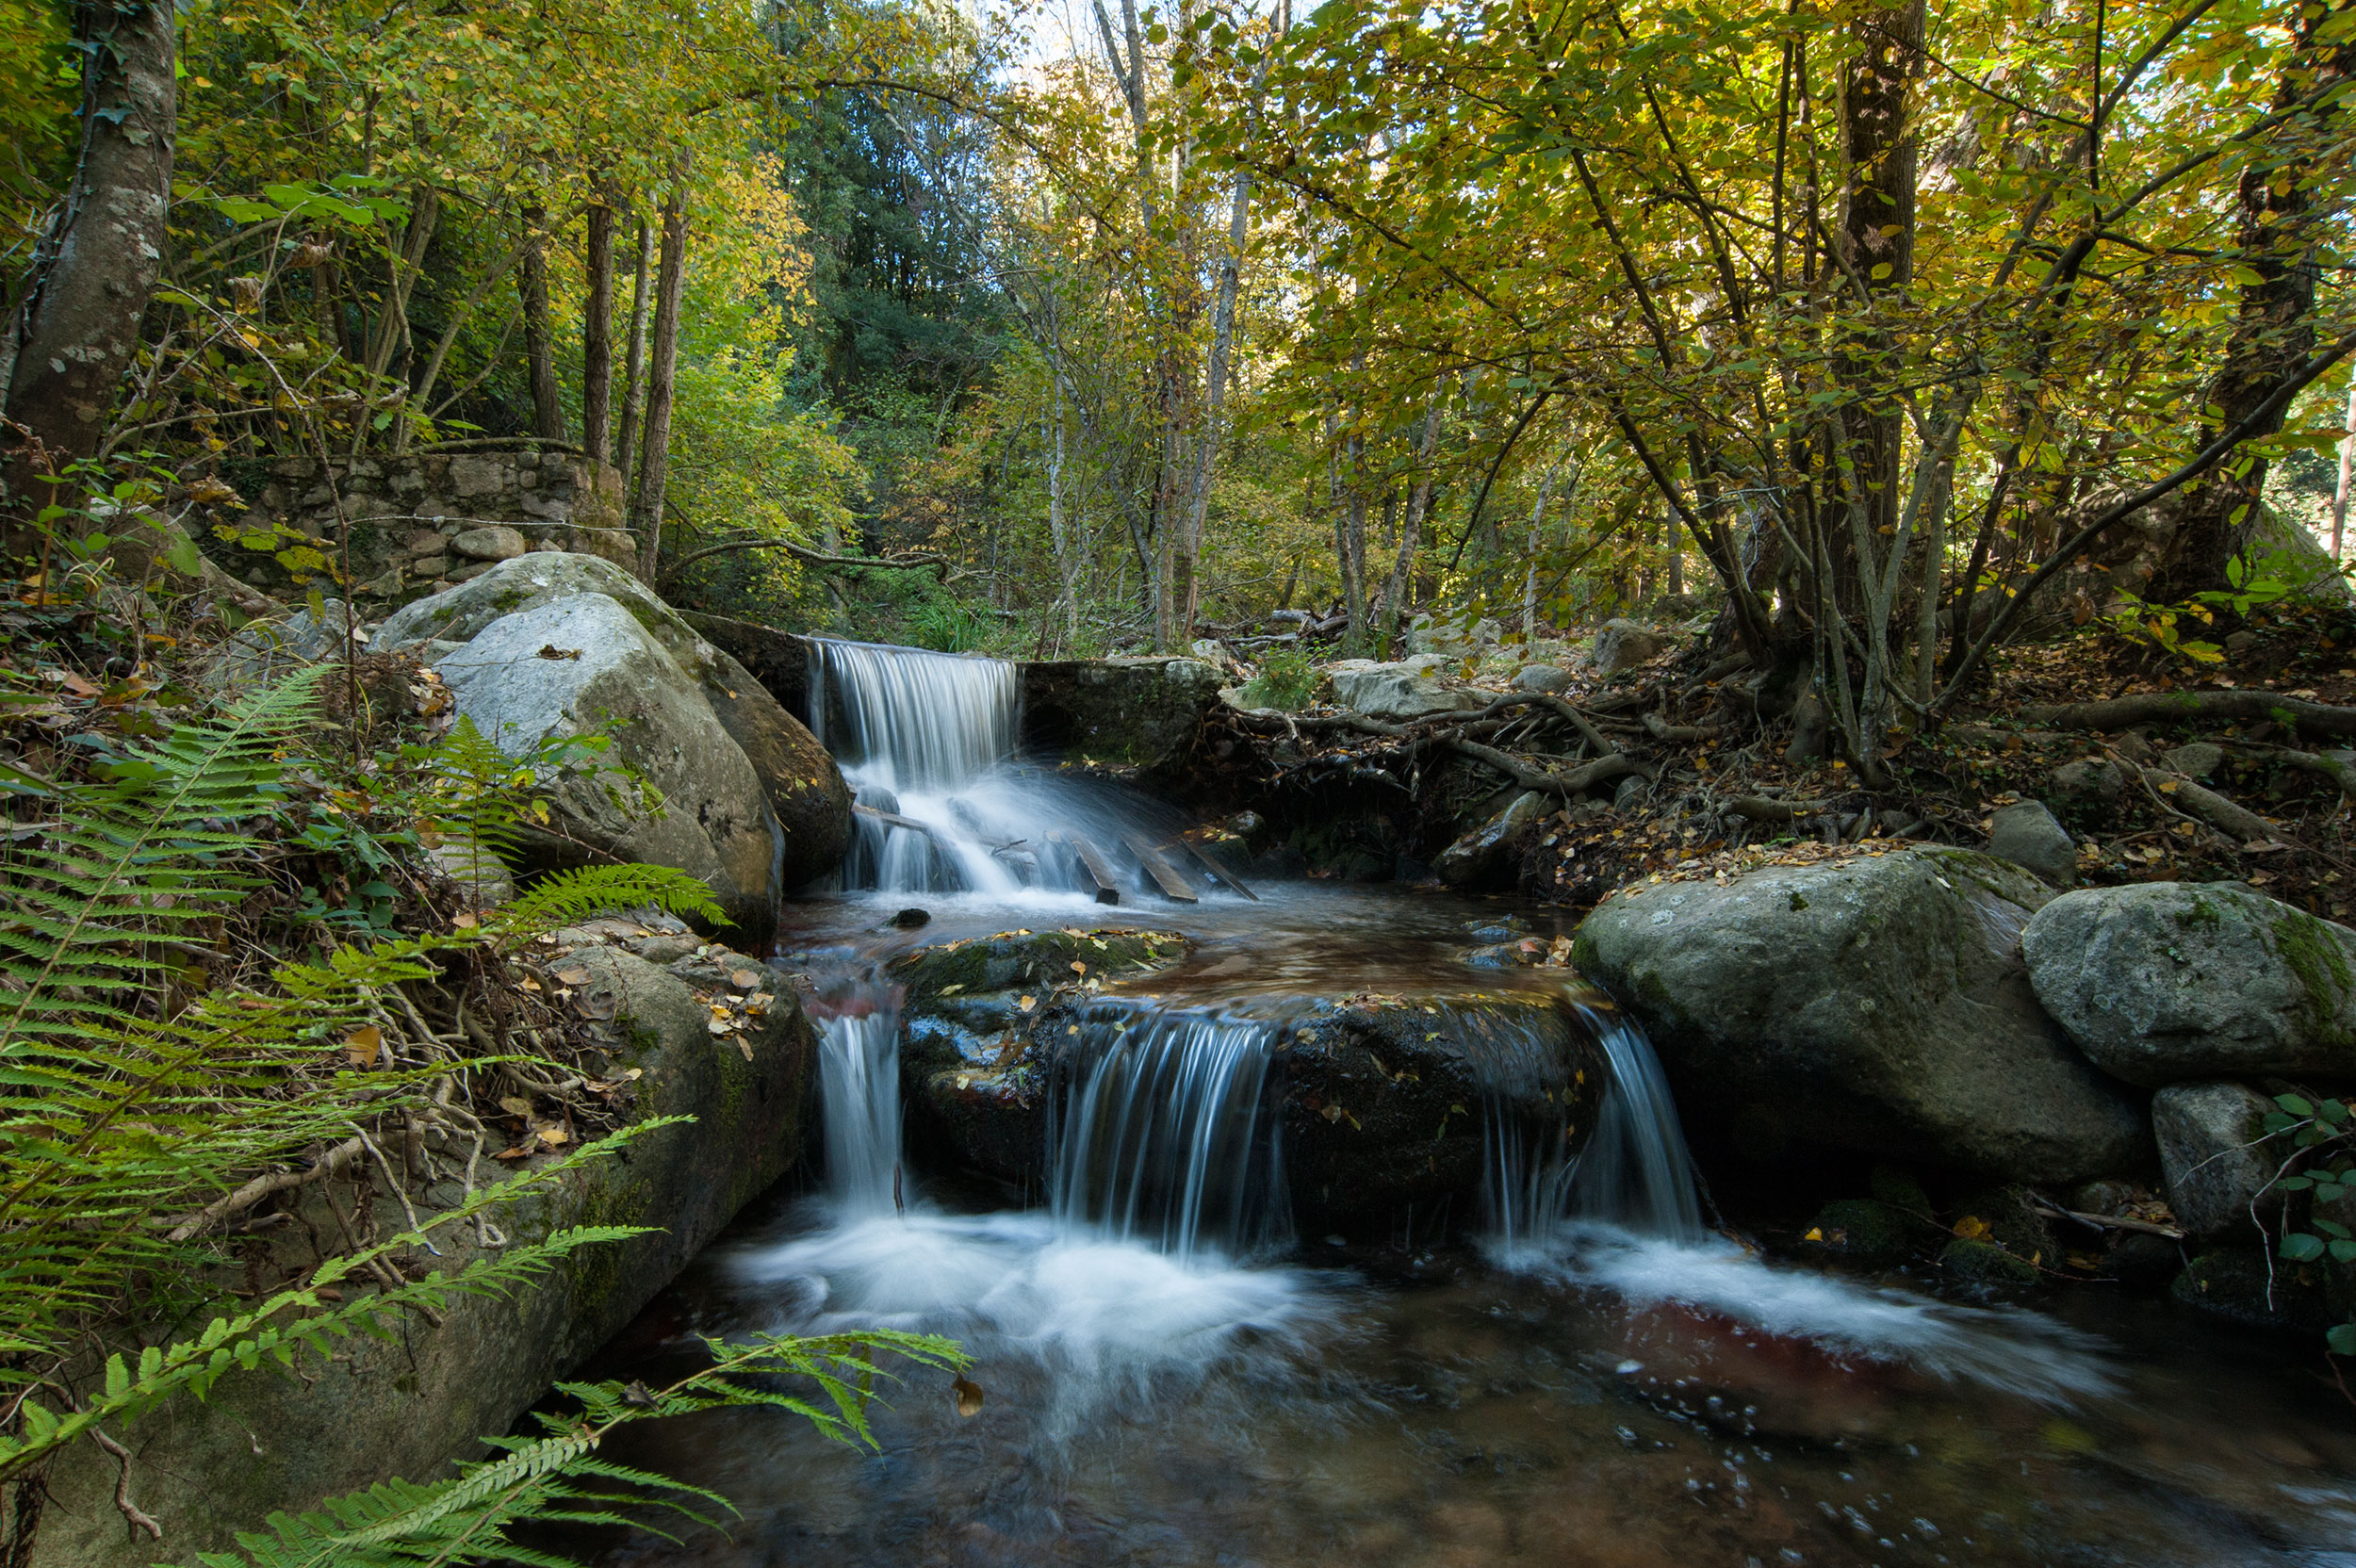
(2212,1150)
(1876,1005)
(2169,982)
(2026,834)
(1408,690)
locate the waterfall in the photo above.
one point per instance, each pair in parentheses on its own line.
(1633,1173)
(1165,1130)
(859,1084)
(927,742)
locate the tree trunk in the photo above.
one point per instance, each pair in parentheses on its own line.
(2283,230)
(634,356)
(76,327)
(654,462)
(1067,560)
(597,332)
(2347,461)
(1215,384)
(548,405)
(1402,584)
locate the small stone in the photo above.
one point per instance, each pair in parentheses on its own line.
(1622,644)
(424,542)
(2200,760)
(666,948)
(497,542)
(427,567)
(2027,834)
(471,570)
(2240,641)
(908,920)
(1543,678)
(1631,790)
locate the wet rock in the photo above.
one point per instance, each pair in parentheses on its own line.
(1985,1262)
(804,790)
(2199,760)
(1408,690)
(2026,834)
(2170,982)
(1550,678)
(495,543)
(1622,644)
(666,948)
(908,920)
(1869,1231)
(1474,860)
(1384,1097)
(2141,1261)
(1876,1005)
(2217,1159)
(2237,1284)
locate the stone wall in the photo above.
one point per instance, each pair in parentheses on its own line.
(424,521)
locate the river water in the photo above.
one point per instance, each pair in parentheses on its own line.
(1584,1373)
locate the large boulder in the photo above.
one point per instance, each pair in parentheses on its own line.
(2220,1165)
(409,1405)
(1407,689)
(1877,1004)
(729,758)
(2170,982)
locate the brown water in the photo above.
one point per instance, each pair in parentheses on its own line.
(1602,1399)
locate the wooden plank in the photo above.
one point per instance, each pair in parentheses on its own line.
(893,818)
(1218,873)
(1099,870)
(1164,874)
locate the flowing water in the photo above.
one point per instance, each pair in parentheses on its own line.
(1585,1375)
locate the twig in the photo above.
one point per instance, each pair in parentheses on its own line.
(130,1510)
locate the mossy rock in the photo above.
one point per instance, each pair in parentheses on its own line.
(2238,1284)
(1985,1262)
(1869,1231)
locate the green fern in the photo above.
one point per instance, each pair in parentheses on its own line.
(560,1477)
(567,897)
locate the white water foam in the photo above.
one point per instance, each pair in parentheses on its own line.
(2023,1353)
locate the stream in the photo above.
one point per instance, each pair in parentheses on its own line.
(1582,1371)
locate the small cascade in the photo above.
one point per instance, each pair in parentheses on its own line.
(927,742)
(1165,1131)
(859,1086)
(1633,1171)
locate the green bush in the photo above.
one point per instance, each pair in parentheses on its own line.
(1287,679)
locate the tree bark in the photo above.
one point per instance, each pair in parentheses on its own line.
(634,356)
(597,330)
(654,461)
(2347,463)
(1067,560)
(1402,584)
(548,405)
(2283,230)
(76,327)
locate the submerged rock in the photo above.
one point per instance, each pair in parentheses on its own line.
(1878,1003)
(2168,982)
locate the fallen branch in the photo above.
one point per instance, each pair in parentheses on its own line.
(2199,800)
(1663,730)
(2339,773)
(123,1505)
(2181,707)
(2107,1222)
(802,552)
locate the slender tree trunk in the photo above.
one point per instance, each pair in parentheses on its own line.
(2347,461)
(2283,232)
(1402,584)
(1215,383)
(597,330)
(1067,562)
(634,356)
(1530,572)
(76,327)
(548,405)
(654,463)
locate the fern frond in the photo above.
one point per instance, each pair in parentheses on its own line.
(567,897)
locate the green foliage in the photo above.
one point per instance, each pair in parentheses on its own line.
(2321,1134)
(1285,679)
(559,1477)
